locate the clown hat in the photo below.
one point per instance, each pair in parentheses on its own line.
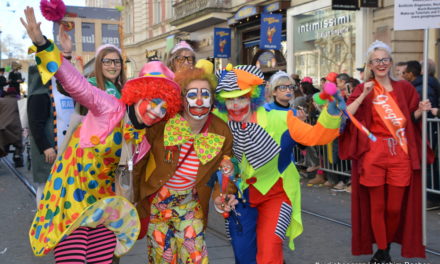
(239,80)
(331,77)
(154,70)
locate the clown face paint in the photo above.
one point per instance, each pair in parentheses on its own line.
(198,99)
(150,111)
(239,108)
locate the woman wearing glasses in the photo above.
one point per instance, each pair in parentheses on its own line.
(181,57)
(386,180)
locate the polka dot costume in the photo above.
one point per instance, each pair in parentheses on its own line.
(80,192)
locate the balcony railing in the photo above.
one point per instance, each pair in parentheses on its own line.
(189,7)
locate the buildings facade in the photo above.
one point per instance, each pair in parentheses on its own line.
(315,38)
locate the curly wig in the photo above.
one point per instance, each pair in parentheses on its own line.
(257,99)
(185,77)
(150,88)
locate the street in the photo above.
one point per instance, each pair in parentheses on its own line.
(324,240)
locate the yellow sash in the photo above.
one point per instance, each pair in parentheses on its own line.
(390,114)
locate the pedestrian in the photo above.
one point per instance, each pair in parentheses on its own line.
(10,127)
(80,217)
(3,82)
(385,175)
(15,78)
(172,190)
(263,143)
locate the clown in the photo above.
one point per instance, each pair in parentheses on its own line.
(172,190)
(79,215)
(263,143)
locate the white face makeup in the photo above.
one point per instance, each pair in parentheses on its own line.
(239,108)
(198,99)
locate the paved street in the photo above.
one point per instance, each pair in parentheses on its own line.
(323,240)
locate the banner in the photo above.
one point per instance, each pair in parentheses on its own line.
(345,5)
(92,16)
(270,31)
(222,42)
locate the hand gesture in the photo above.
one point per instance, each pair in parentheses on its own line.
(33,27)
(226,204)
(425,105)
(368,87)
(50,155)
(65,41)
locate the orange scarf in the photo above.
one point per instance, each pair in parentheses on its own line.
(390,114)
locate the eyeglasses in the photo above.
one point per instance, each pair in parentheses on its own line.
(384,61)
(108,62)
(182,59)
(284,88)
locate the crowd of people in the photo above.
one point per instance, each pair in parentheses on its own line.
(183,135)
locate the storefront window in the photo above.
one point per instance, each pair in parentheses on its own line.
(324,41)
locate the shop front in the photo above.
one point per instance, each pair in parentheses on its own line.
(246,24)
(322,40)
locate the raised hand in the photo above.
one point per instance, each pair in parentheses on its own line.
(33,27)
(65,41)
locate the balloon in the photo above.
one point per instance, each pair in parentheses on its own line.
(318,99)
(330,88)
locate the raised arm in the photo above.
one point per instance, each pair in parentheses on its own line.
(96,100)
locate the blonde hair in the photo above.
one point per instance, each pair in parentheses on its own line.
(377,45)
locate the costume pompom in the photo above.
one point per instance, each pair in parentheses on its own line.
(53,10)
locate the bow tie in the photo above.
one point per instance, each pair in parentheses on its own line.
(206,145)
(132,134)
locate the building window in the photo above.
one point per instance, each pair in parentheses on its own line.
(169,9)
(128,18)
(157,12)
(324,41)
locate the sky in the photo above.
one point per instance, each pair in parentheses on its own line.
(10,25)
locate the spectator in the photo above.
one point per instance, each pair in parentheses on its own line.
(41,115)
(281,87)
(10,127)
(385,175)
(181,57)
(3,82)
(15,79)
(361,72)
(399,70)
(342,82)
(413,75)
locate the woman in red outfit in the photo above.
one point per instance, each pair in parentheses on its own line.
(386,192)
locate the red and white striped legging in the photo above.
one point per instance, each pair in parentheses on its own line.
(94,245)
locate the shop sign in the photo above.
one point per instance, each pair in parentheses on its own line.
(245,11)
(271,8)
(369,3)
(270,31)
(335,24)
(416,14)
(345,4)
(222,42)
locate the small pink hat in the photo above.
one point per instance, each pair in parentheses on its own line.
(100,48)
(307,80)
(155,70)
(182,45)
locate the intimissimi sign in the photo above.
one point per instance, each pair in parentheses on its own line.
(324,24)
